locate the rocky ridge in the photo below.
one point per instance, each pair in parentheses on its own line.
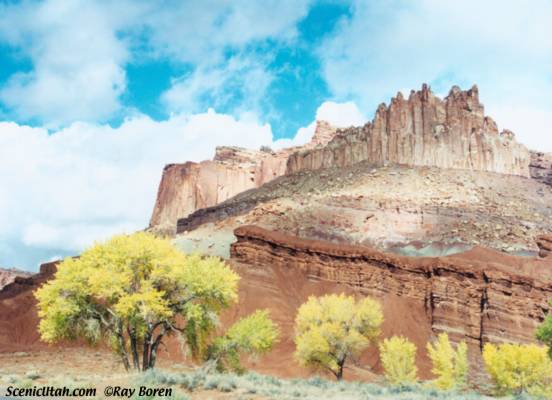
(424,130)
(18,314)
(421,130)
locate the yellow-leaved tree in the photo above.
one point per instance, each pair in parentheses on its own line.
(398,357)
(518,368)
(134,290)
(448,364)
(255,334)
(332,329)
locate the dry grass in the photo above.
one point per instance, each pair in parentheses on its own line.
(77,368)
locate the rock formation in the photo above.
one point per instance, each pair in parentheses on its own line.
(18,314)
(479,296)
(544,242)
(424,130)
(187,187)
(541,167)
(7,276)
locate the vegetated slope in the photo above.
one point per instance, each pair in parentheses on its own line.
(477,296)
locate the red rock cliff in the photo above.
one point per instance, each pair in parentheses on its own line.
(18,314)
(424,130)
(478,296)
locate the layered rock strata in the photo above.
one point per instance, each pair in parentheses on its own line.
(187,187)
(424,130)
(541,167)
(479,296)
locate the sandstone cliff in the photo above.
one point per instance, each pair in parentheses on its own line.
(479,296)
(424,130)
(187,187)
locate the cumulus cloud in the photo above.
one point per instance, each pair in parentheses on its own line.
(340,115)
(214,26)
(76,56)
(62,190)
(219,86)
(234,83)
(501,46)
(79,50)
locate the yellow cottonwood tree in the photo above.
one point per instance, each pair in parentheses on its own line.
(449,364)
(517,368)
(398,357)
(134,290)
(253,335)
(332,329)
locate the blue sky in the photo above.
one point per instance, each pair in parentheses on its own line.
(96,96)
(293,90)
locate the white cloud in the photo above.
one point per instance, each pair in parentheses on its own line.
(61,191)
(340,115)
(79,50)
(503,47)
(213,26)
(213,29)
(77,60)
(219,85)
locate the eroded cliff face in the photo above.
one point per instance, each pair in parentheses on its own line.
(479,296)
(424,130)
(187,187)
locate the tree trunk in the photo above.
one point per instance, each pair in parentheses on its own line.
(124,356)
(122,345)
(155,346)
(340,364)
(146,351)
(134,349)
